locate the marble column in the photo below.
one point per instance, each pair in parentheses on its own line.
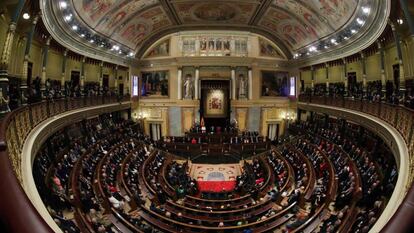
(44,65)
(101,78)
(364,72)
(64,61)
(250,84)
(382,66)
(345,76)
(401,82)
(179,83)
(82,77)
(197,84)
(25,79)
(127,83)
(312,79)
(233,83)
(327,77)
(116,80)
(5,57)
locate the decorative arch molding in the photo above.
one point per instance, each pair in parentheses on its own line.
(185,28)
(361,42)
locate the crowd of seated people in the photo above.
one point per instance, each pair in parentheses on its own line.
(53,171)
(348,152)
(180,180)
(280,170)
(101,172)
(299,167)
(252,178)
(131,173)
(320,166)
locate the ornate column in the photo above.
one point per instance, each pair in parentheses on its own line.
(401,82)
(62,78)
(24,84)
(345,77)
(101,77)
(327,77)
(179,83)
(233,83)
(5,57)
(250,83)
(364,72)
(44,65)
(82,77)
(197,84)
(408,16)
(127,83)
(382,67)
(116,81)
(312,79)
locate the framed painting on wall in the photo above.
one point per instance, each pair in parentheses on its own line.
(155,84)
(275,84)
(215,103)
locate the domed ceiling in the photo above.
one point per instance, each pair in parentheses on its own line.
(132,25)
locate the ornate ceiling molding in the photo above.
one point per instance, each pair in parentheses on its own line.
(63,36)
(372,30)
(135,26)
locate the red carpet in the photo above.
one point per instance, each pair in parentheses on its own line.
(216,186)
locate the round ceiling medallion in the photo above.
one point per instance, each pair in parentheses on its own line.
(215,12)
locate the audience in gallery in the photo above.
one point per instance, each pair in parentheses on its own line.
(53,89)
(374,92)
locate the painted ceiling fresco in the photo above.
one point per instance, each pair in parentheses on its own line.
(213,12)
(295,22)
(301,22)
(127,22)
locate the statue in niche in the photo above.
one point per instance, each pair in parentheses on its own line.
(242,86)
(188,87)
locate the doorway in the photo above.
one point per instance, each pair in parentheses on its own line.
(105,82)
(74,79)
(396,76)
(121,89)
(155,131)
(352,82)
(29,73)
(273,131)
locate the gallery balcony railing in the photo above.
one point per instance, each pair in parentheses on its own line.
(402,119)
(14,128)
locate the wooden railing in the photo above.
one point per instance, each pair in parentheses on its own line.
(402,119)
(16,208)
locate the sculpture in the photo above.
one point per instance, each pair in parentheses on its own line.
(242,86)
(188,87)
